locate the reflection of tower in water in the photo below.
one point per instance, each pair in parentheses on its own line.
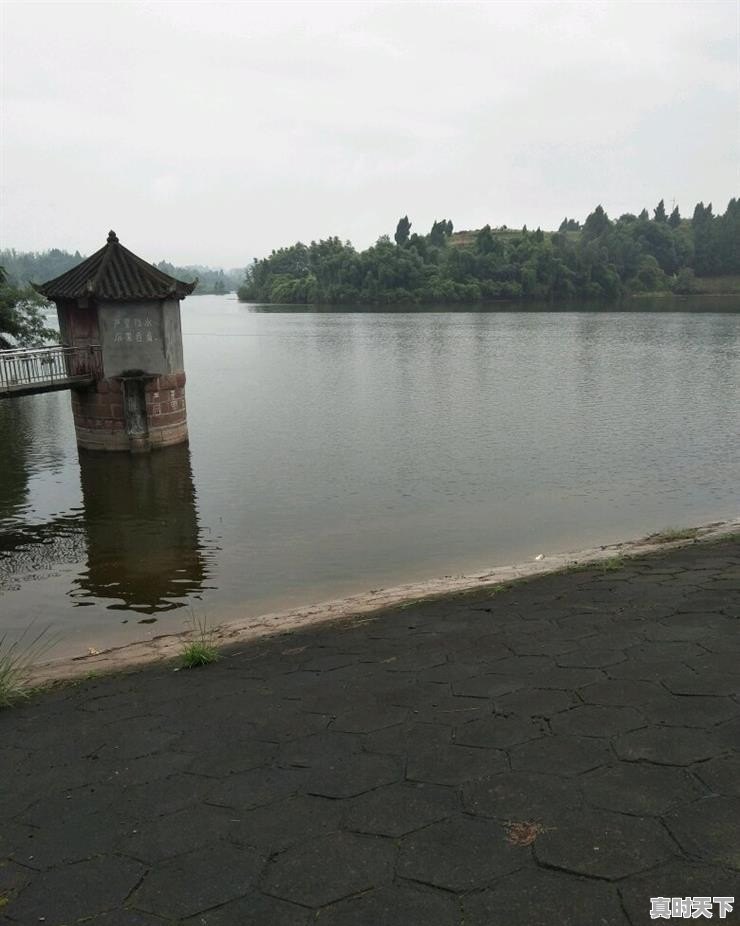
(144,545)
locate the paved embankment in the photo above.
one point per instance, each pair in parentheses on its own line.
(557,752)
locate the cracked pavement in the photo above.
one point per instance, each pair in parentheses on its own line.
(373,772)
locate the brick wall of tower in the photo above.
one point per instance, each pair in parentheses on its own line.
(100,420)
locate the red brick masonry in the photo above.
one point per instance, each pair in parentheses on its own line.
(100,422)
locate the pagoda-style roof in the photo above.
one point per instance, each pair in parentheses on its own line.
(114,273)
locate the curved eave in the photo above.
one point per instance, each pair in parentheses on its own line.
(89,292)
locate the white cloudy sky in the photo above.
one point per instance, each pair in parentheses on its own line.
(213,132)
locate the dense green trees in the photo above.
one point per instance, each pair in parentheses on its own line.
(601,259)
(21,314)
(210,280)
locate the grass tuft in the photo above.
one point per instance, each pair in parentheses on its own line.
(17,658)
(611,564)
(202,650)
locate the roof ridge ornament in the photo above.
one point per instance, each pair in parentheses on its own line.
(112,237)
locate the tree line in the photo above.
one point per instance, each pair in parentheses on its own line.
(25,267)
(601,258)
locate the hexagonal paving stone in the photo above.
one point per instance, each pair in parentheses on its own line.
(328,869)
(709,829)
(391,906)
(277,826)
(691,711)
(639,789)
(603,845)
(199,880)
(351,775)
(124,918)
(460,854)
(587,658)
(519,796)
(547,643)
(68,838)
(674,630)
(522,665)
(722,775)
(70,893)
(452,765)
(253,910)
(728,734)
(566,678)
(542,898)
(244,755)
(686,681)
(69,805)
(643,670)
(534,702)
(369,718)
(679,879)
(308,751)
(623,693)
(560,754)
(678,650)
(667,745)
(597,720)
(166,795)
(404,661)
(451,709)
(289,725)
(256,787)
(406,737)
(498,731)
(487,686)
(163,837)
(399,809)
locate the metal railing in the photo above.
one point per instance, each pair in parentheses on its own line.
(44,368)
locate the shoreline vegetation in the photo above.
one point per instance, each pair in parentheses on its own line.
(601,259)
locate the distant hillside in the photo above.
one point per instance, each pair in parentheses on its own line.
(467,238)
(24,267)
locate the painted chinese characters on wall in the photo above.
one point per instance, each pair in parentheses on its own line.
(132,339)
(136,330)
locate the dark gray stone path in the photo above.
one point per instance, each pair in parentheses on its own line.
(554,753)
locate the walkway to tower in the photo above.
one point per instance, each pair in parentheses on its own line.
(47,369)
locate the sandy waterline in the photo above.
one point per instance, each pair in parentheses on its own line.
(168,646)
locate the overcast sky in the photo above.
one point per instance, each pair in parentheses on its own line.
(212,133)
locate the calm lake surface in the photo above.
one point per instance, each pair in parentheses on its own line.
(336,452)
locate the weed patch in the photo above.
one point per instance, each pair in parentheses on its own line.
(202,650)
(17,658)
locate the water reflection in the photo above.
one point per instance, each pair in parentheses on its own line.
(143,540)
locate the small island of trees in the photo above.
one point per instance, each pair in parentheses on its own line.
(599,259)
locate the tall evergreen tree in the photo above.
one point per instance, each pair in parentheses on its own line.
(659,212)
(403,230)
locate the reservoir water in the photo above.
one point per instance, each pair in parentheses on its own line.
(336,452)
